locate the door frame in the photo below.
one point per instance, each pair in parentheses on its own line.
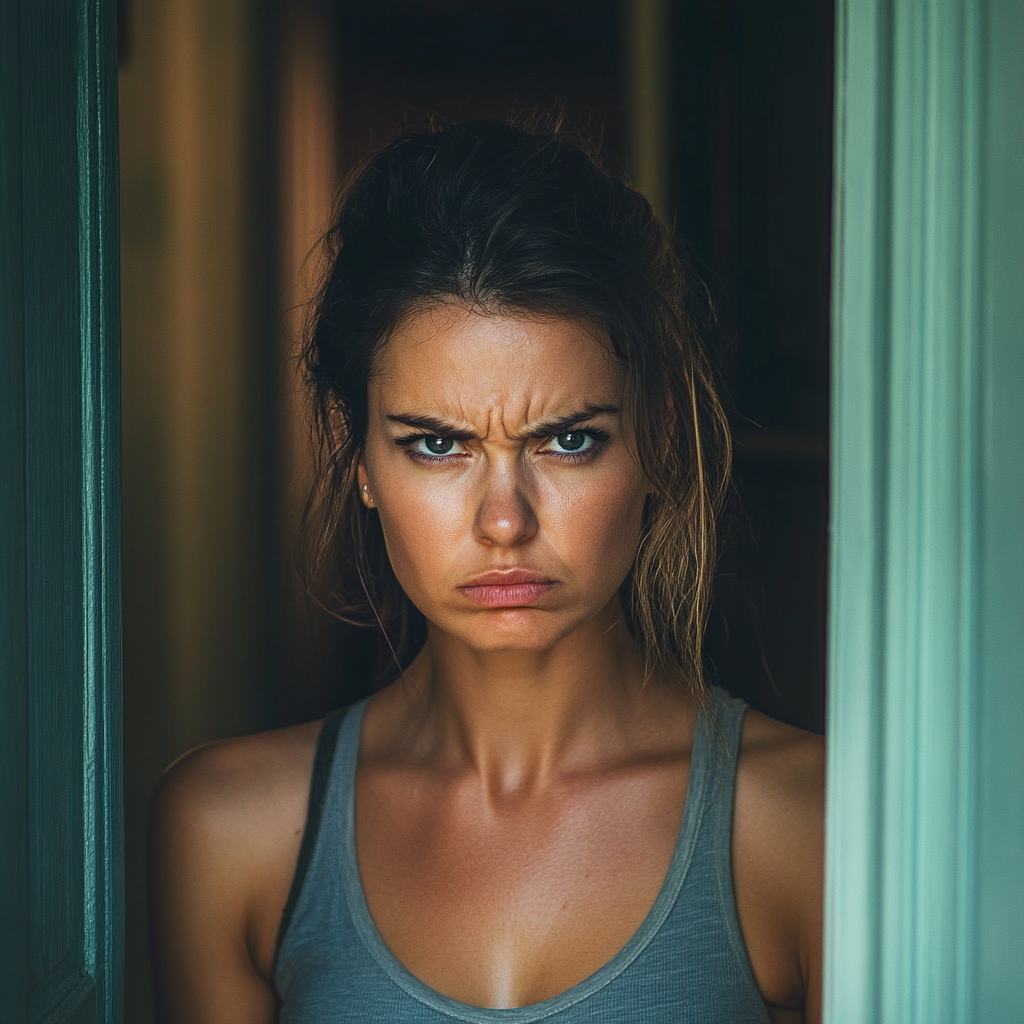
(925,804)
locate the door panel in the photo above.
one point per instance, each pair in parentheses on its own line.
(60,840)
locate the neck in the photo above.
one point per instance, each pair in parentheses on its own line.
(519,718)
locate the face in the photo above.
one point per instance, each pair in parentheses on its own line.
(500,463)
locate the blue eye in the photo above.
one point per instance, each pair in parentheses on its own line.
(572,441)
(438,445)
(431,447)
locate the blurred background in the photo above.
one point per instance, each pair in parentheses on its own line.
(238,119)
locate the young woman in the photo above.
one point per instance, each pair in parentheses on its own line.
(545,815)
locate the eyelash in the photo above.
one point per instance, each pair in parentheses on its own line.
(424,459)
(600,438)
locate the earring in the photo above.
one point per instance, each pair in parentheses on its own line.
(366,495)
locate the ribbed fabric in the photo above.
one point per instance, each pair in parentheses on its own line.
(686,964)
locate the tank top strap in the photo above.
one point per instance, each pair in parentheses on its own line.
(721,723)
(323,762)
(713,761)
(722,733)
(727,723)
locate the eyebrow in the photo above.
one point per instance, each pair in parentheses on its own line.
(549,428)
(541,429)
(433,426)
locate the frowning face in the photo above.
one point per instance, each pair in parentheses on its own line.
(498,459)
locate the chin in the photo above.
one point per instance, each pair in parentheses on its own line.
(509,645)
(513,630)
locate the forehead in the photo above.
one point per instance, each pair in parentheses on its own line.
(465,362)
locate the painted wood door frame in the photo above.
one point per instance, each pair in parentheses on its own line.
(925,887)
(61,939)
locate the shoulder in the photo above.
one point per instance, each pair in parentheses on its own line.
(780,807)
(219,784)
(782,769)
(226,823)
(240,796)
(778,857)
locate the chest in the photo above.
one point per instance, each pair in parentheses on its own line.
(502,902)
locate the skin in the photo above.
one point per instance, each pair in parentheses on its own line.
(520,791)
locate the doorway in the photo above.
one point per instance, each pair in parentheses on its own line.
(238,120)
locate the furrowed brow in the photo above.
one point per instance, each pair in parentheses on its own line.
(433,426)
(551,428)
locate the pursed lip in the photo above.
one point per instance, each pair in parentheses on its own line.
(507,588)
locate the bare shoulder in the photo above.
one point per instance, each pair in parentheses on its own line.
(222,785)
(783,768)
(778,859)
(226,824)
(780,809)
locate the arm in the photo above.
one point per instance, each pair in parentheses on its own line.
(778,864)
(199,893)
(225,827)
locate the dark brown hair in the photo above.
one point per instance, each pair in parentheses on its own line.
(504,220)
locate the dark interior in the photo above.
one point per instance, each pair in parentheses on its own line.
(750,143)
(219,639)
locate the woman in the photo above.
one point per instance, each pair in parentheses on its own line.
(545,814)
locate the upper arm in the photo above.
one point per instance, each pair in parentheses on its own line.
(202,881)
(802,866)
(778,861)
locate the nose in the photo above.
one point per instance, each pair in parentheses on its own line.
(505,517)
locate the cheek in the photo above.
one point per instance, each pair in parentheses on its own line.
(422,520)
(596,524)
(422,516)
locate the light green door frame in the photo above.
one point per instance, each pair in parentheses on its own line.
(925,887)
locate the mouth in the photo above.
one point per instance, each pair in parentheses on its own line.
(507,588)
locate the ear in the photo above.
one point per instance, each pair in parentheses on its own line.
(363,483)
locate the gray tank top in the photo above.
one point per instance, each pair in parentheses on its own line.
(686,963)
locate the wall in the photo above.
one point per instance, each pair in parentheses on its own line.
(198,398)
(751,159)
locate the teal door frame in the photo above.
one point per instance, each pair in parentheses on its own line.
(925,834)
(61,945)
